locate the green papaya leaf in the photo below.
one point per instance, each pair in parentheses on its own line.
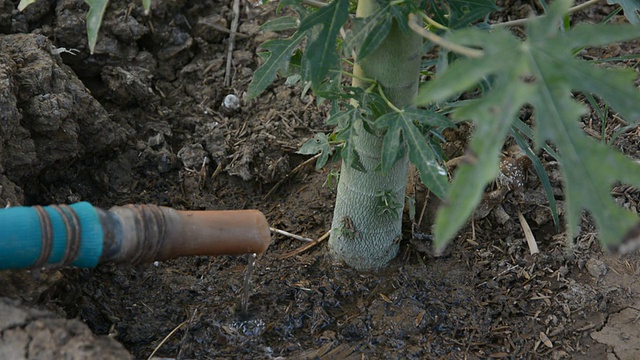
(456,14)
(94,20)
(318,144)
(346,122)
(280,24)
(280,52)
(492,115)
(428,117)
(400,126)
(630,7)
(542,72)
(368,33)
(321,51)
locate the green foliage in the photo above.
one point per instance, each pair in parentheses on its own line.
(322,49)
(630,7)
(542,174)
(541,72)
(94,16)
(368,33)
(346,122)
(280,51)
(280,24)
(401,132)
(457,14)
(94,20)
(318,144)
(387,203)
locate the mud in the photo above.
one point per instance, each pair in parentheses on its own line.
(142,121)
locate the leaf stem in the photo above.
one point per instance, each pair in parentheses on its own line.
(460,49)
(433,23)
(526,20)
(361,78)
(314,3)
(384,97)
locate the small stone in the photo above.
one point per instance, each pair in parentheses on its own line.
(596,268)
(501,216)
(192,156)
(231,102)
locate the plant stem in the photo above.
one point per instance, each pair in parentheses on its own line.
(463,50)
(433,23)
(314,3)
(354,76)
(363,237)
(389,103)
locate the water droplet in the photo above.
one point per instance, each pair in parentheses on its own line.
(231,102)
(251,260)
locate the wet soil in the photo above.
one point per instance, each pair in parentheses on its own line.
(142,121)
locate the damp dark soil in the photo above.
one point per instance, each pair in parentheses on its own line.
(142,121)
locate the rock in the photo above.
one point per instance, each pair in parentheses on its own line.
(128,87)
(211,28)
(596,268)
(192,156)
(34,334)
(48,117)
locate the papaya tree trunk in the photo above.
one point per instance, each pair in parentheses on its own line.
(367,219)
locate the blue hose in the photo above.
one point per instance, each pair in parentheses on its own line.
(52,235)
(84,236)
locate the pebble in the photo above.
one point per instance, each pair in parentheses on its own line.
(597,268)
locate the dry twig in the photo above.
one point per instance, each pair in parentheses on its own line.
(306,247)
(285,233)
(232,41)
(166,338)
(528,234)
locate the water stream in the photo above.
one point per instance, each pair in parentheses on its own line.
(247,323)
(244,302)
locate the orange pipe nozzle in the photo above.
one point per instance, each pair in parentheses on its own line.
(144,233)
(230,232)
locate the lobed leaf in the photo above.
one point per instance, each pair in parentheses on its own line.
(456,14)
(630,7)
(345,122)
(493,116)
(318,144)
(280,52)
(400,126)
(321,51)
(541,71)
(280,24)
(428,117)
(583,35)
(467,73)
(368,33)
